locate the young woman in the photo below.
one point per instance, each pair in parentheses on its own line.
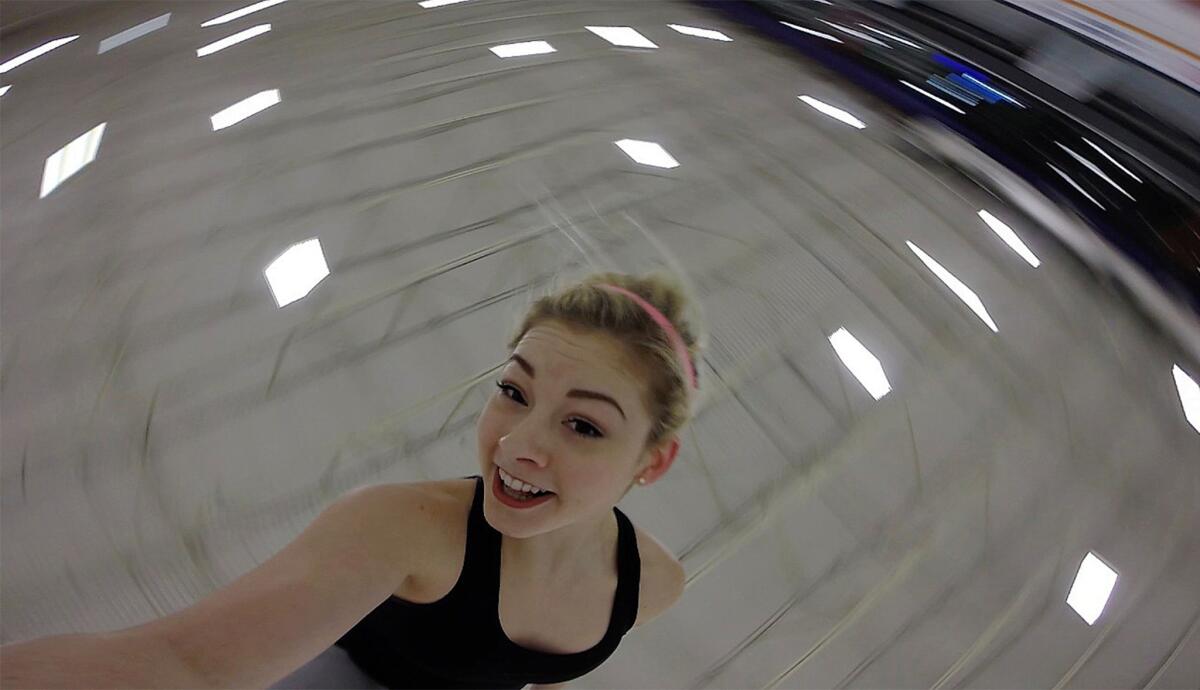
(525,573)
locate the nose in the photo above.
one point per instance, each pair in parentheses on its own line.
(526,442)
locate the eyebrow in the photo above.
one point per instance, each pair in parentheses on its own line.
(574,392)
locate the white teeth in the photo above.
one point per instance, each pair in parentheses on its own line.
(511,481)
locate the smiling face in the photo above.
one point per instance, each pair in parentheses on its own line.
(569,416)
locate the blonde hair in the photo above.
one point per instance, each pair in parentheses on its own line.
(586,307)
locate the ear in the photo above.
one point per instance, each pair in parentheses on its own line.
(659,460)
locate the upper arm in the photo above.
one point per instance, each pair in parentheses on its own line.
(279,615)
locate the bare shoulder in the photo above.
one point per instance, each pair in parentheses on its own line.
(458,491)
(444,503)
(408,514)
(663,577)
(440,499)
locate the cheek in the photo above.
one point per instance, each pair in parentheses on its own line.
(596,482)
(488,428)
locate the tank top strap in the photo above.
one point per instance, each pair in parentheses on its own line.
(483,544)
(629,574)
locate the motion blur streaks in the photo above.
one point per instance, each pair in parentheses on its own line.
(948,431)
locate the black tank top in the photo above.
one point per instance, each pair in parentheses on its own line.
(458,642)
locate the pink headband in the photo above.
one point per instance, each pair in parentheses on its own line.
(676,341)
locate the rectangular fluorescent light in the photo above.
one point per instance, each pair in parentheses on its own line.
(430,4)
(1093,583)
(297,271)
(1111,159)
(4,89)
(943,101)
(622,36)
(518,49)
(36,52)
(702,33)
(836,113)
(238,14)
(71,158)
(1009,237)
(1189,396)
(243,109)
(647,153)
(894,37)
(133,33)
(1075,185)
(960,290)
(859,360)
(810,32)
(233,40)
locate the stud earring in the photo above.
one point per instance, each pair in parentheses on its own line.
(641,480)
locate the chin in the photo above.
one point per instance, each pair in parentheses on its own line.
(506,528)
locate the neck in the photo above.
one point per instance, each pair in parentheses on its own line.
(580,547)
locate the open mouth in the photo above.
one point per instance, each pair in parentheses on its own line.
(516,498)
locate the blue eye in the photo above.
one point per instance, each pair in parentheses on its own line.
(591,430)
